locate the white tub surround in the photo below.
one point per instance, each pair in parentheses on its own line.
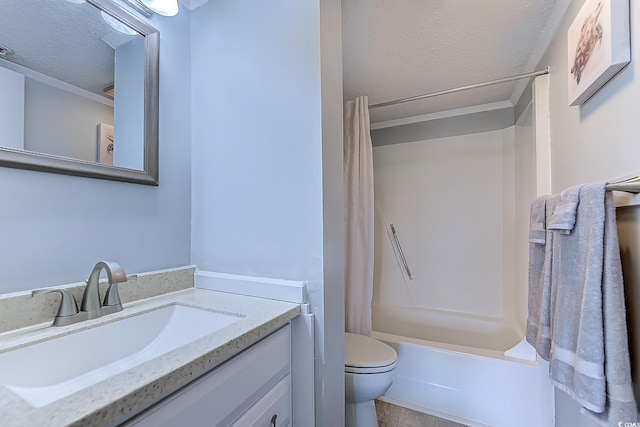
(457,330)
(20,309)
(476,387)
(464,368)
(444,326)
(112,401)
(494,336)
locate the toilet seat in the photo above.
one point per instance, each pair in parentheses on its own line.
(365,355)
(376,370)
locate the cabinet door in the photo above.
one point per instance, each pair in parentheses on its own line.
(220,397)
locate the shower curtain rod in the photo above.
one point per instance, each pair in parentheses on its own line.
(459,89)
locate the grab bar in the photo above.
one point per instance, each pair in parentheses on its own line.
(402,258)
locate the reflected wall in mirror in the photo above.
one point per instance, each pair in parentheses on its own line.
(80,89)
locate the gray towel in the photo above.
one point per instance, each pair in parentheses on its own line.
(538,332)
(564,216)
(589,351)
(537,221)
(621,403)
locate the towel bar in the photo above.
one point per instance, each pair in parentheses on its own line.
(631,185)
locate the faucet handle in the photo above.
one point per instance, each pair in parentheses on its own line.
(68,305)
(111,302)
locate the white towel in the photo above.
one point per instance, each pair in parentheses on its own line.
(538,332)
(564,216)
(589,354)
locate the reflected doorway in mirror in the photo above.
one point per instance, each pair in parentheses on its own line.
(105,144)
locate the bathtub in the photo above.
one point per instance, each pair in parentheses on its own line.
(454,366)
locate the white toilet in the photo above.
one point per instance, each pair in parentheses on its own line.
(368,370)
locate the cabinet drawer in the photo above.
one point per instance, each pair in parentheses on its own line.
(273,410)
(219,397)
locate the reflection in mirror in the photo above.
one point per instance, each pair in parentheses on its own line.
(79,85)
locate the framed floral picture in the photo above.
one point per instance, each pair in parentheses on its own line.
(598,47)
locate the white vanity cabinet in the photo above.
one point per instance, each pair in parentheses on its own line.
(251,389)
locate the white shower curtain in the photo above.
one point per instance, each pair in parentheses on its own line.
(358,181)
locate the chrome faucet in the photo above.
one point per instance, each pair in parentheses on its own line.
(91,307)
(91,298)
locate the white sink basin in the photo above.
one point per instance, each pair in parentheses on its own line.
(50,370)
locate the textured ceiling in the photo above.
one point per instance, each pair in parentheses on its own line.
(60,39)
(395,49)
(391,48)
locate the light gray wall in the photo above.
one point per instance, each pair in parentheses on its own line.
(129,105)
(62,123)
(595,142)
(262,204)
(332,374)
(11,109)
(257,153)
(55,227)
(628,219)
(599,140)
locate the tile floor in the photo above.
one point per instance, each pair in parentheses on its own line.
(396,416)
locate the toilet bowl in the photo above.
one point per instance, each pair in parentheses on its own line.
(369,371)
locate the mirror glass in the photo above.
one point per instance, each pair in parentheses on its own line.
(79,81)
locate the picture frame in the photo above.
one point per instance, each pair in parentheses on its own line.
(105,144)
(599,47)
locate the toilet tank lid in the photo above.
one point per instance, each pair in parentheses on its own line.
(366,352)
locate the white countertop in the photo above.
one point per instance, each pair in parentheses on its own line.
(115,399)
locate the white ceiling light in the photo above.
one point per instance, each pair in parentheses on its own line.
(5,51)
(117,25)
(77,1)
(162,7)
